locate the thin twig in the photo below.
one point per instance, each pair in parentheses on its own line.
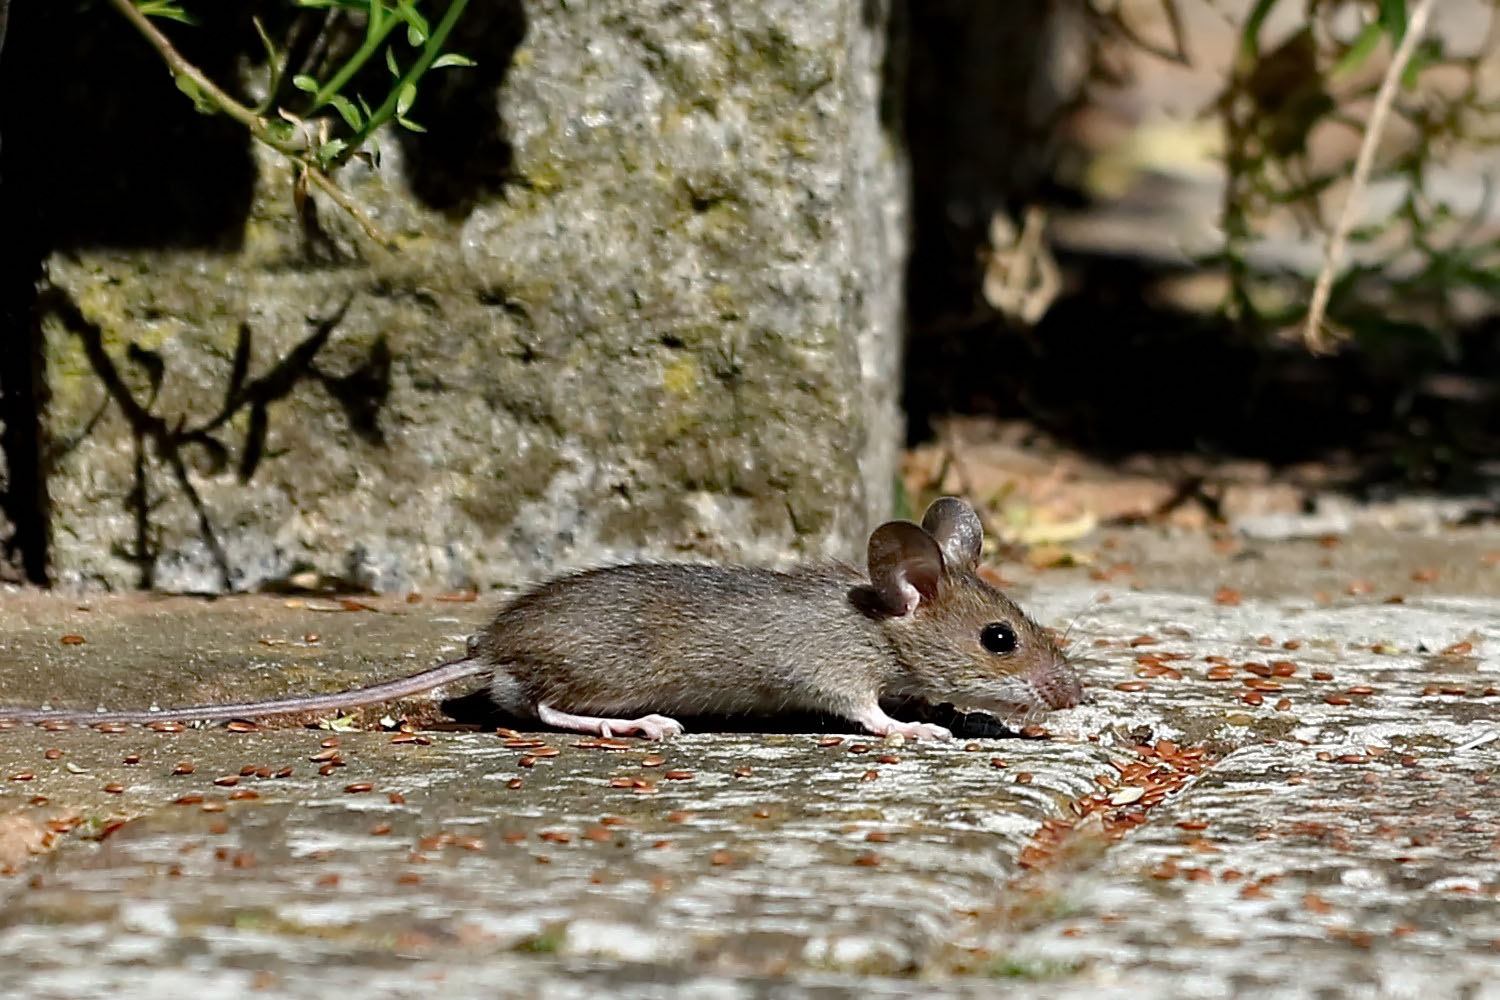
(179,66)
(1416,27)
(348,204)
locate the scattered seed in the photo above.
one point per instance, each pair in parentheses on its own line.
(240,794)
(1338,699)
(653,760)
(227,780)
(878,837)
(190,799)
(869,859)
(1023,777)
(678,775)
(527,761)
(514,783)
(869,776)
(1228,596)
(743,772)
(1131,686)
(1458,649)
(1284,705)
(556,836)
(359,786)
(167,727)
(114,788)
(240,726)
(1034,731)
(858,748)
(998,762)
(285,772)
(721,858)
(214,806)
(1361,689)
(23,776)
(72,640)
(1252,697)
(830,741)
(396,799)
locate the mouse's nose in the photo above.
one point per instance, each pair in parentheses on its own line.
(1057,685)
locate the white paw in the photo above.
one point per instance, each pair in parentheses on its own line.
(653,727)
(918,731)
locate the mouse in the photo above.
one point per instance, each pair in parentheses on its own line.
(622,649)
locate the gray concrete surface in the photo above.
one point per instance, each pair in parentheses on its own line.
(1172,837)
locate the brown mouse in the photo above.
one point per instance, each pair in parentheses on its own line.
(606,651)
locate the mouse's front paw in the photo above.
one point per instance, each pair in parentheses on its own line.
(877,722)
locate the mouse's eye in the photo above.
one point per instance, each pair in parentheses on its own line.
(998,637)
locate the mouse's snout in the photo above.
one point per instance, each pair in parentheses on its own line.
(1057,685)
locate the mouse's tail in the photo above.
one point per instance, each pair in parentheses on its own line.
(416,683)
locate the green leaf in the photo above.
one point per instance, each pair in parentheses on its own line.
(416,22)
(346,108)
(1366,43)
(1250,34)
(415,36)
(452,59)
(201,101)
(1429,52)
(363,106)
(165,9)
(390,64)
(304,82)
(409,124)
(1393,19)
(404,102)
(330,150)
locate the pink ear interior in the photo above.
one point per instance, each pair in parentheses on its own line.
(905,566)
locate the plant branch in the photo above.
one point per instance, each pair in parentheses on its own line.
(180,68)
(1312,331)
(429,54)
(342,199)
(258,126)
(376,31)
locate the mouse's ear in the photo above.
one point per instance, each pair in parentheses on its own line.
(956,529)
(905,566)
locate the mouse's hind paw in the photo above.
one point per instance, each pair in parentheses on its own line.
(650,727)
